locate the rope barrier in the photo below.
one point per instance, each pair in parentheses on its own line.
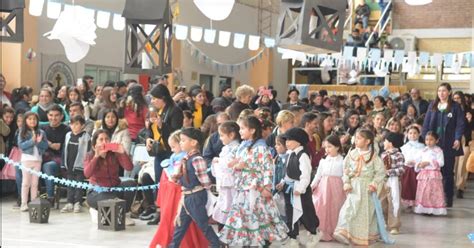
(77,184)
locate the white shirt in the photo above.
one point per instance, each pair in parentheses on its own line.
(329,166)
(34,157)
(5,100)
(412,152)
(305,168)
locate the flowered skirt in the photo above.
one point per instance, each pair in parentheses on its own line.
(253,220)
(430,193)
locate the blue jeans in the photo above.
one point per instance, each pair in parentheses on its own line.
(18,180)
(50,168)
(194,209)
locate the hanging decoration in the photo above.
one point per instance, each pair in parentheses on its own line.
(196,34)
(54,9)
(216,10)
(30,55)
(210,36)
(75,31)
(118,22)
(224,38)
(36,7)
(103,19)
(220,66)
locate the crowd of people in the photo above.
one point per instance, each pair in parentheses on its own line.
(261,169)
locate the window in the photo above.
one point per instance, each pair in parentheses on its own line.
(103,73)
(206,80)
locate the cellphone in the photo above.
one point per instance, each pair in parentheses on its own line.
(182,88)
(112,147)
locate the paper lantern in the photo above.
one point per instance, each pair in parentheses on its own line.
(181,32)
(418,2)
(111,214)
(76,31)
(254,42)
(54,10)
(224,38)
(216,10)
(209,36)
(103,18)
(118,22)
(36,7)
(239,40)
(12,20)
(196,34)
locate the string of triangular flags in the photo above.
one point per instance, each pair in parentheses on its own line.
(226,68)
(361,58)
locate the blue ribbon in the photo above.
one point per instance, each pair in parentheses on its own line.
(380,220)
(289,190)
(76,184)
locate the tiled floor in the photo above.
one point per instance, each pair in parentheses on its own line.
(77,230)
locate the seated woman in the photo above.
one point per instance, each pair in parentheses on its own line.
(102,168)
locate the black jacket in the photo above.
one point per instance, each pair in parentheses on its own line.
(423,106)
(172,117)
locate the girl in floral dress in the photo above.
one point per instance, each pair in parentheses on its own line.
(254,219)
(430,193)
(364,173)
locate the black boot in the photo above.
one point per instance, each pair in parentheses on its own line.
(449,203)
(155,220)
(460,194)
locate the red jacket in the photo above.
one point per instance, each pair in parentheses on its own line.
(135,123)
(105,171)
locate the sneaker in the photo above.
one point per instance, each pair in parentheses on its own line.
(24,208)
(394,231)
(293,243)
(314,240)
(77,207)
(154,221)
(94,215)
(129,221)
(68,208)
(148,214)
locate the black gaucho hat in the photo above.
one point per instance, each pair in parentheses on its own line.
(297,134)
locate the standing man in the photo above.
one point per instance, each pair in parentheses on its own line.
(421,105)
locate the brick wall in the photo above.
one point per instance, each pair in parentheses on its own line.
(438,14)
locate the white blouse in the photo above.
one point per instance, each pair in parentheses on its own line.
(412,152)
(329,166)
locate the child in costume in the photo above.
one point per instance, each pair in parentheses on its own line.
(429,192)
(230,137)
(254,219)
(194,182)
(390,195)
(411,152)
(364,173)
(298,194)
(328,192)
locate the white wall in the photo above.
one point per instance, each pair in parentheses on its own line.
(109,49)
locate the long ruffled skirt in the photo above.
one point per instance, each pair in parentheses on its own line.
(253,220)
(328,200)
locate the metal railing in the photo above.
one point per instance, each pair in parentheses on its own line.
(379,23)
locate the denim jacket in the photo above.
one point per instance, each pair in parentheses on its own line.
(26,145)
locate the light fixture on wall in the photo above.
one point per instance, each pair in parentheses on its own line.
(54,9)
(36,7)
(216,10)
(418,2)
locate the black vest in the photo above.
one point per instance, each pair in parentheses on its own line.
(293,169)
